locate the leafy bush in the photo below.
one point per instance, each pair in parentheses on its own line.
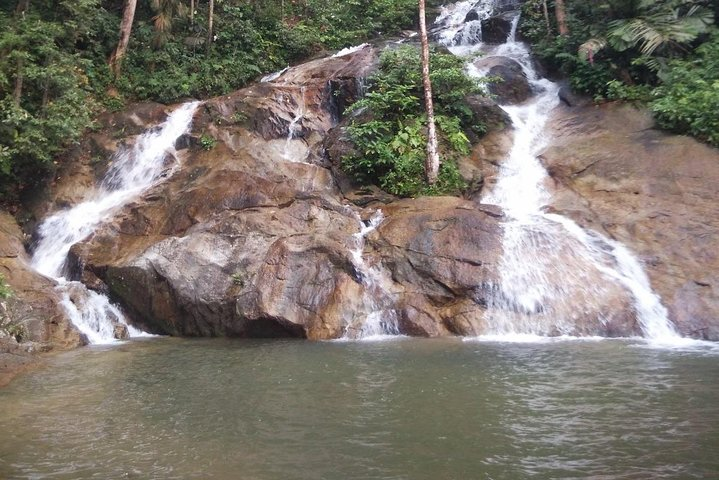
(8,326)
(688,99)
(44,111)
(389,131)
(5,290)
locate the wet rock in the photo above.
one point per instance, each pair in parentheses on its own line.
(472,16)
(486,112)
(33,309)
(654,192)
(496,29)
(443,252)
(120,332)
(572,99)
(513,86)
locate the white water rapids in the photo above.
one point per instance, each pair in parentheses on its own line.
(132,172)
(552,273)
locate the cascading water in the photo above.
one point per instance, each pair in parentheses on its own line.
(275,75)
(461,23)
(133,171)
(294,127)
(381,319)
(552,273)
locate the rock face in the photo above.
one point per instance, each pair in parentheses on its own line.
(255,237)
(259,234)
(33,309)
(654,192)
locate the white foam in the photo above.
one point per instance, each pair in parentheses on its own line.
(132,171)
(349,50)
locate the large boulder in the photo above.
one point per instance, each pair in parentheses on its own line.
(443,252)
(654,192)
(497,28)
(512,85)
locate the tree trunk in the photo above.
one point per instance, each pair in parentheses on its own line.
(128,16)
(19,77)
(560,11)
(192,12)
(546,18)
(22,7)
(210,18)
(431,163)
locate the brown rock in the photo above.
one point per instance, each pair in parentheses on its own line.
(512,86)
(34,306)
(654,192)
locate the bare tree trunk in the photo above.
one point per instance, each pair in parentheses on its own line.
(560,11)
(128,16)
(192,12)
(19,77)
(546,17)
(22,7)
(210,18)
(431,164)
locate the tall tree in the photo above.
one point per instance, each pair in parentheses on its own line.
(22,8)
(560,11)
(546,17)
(165,12)
(128,16)
(431,163)
(210,19)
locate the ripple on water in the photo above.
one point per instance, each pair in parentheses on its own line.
(410,409)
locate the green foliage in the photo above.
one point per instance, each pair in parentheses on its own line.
(8,326)
(251,38)
(5,290)
(207,142)
(44,98)
(688,100)
(389,131)
(617,90)
(59,51)
(656,51)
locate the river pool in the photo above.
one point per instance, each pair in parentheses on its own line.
(402,409)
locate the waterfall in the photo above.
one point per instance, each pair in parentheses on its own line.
(461,23)
(274,76)
(552,272)
(348,50)
(380,319)
(132,171)
(294,127)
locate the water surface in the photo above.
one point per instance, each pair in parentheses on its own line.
(405,409)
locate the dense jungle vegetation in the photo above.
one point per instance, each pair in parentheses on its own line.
(54,74)
(663,53)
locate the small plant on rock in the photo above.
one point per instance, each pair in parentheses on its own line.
(9,327)
(238,279)
(207,142)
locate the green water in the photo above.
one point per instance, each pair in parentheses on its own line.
(407,409)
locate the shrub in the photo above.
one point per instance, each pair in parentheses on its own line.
(688,99)
(389,129)
(8,326)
